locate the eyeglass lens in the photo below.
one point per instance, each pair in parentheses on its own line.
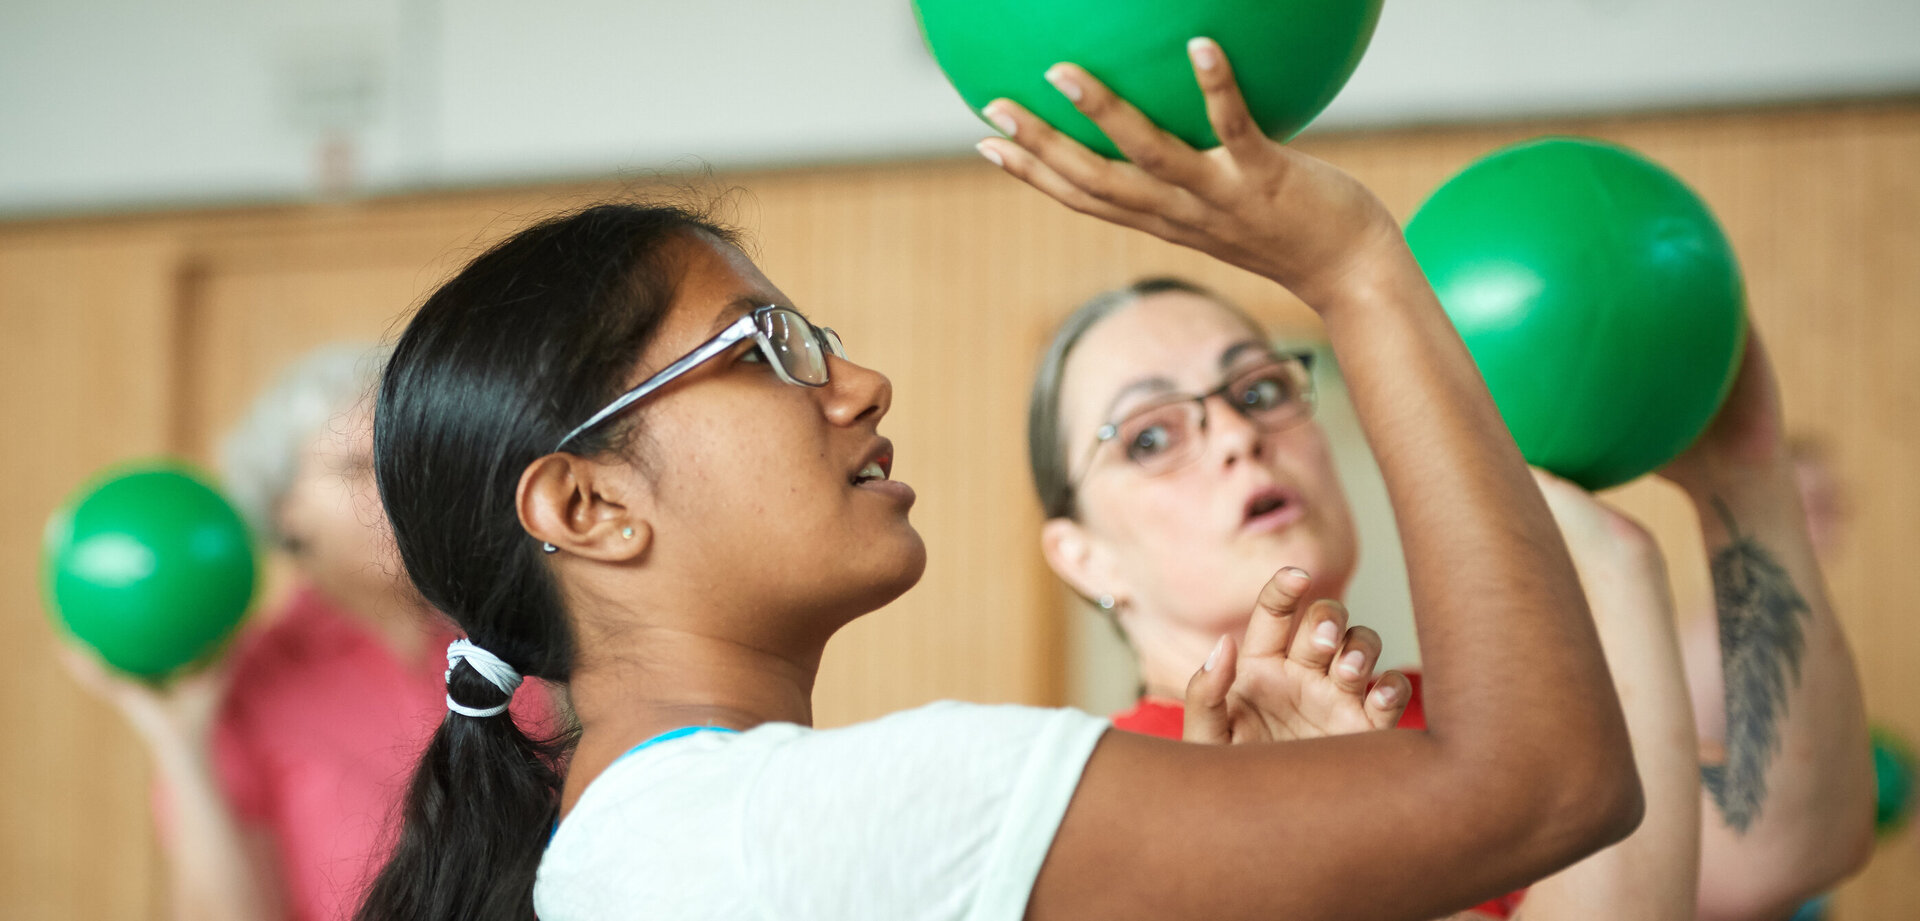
(798,346)
(1164,436)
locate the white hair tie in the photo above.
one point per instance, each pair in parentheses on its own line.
(498,673)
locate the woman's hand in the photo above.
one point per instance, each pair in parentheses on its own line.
(1746,436)
(1599,536)
(1293,680)
(176,717)
(1250,202)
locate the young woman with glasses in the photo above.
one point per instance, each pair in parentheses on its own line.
(621,463)
(1178,464)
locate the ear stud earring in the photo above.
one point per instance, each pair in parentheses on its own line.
(549,548)
(626,533)
(1105,602)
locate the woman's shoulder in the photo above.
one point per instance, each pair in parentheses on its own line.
(903,741)
(951,718)
(782,811)
(714,779)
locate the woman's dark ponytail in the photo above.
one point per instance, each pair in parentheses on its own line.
(530,338)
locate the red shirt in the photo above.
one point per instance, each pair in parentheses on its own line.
(1154,716)
(317,740)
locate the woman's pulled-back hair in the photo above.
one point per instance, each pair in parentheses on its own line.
(1047,452)
(525,342)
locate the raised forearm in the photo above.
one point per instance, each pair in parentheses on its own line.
(1789,786)
(1653,875)
(214,875)
(1477,535)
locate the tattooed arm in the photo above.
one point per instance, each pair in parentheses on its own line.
(1785,773)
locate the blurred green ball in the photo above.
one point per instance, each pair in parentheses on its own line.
(1291,57)
(149,566)
(1599,297)
(1893,766)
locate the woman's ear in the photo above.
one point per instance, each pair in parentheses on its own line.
(1078,560)
(585,508)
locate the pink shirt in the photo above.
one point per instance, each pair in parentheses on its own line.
(317,739)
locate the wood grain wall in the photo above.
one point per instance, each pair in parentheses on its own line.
(133,335)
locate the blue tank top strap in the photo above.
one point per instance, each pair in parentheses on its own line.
(672,734)
(667,736)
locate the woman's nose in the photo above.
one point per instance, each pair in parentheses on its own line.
(855,393)
(1231,436)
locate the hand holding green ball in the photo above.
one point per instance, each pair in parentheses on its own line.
(1597,294)
(149,566)
(1291,57)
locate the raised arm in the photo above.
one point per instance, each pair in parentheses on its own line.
(217,869)
(1654,874)
(1787,780)
(1503,787)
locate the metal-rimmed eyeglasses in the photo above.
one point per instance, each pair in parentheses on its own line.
(795,348)
(1170,431)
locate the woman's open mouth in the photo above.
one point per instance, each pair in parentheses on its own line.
(1272,509)
(876,474)
(872,471)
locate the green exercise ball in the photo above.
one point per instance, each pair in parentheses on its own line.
(1893,766)
(1291,57)
(1599,297)
(148,565)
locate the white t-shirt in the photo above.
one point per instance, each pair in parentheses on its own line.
(943,813)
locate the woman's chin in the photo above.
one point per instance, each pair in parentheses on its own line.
(895,566)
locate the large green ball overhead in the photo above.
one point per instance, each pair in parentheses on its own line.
(1599,297)
(1291,57)
(149,566)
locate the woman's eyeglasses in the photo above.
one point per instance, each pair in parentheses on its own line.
(783,338)
(1170,432)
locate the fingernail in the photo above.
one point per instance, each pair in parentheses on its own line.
(1326,634)
(1001,121)
(1294,571)
(993,156)
(1351,662)
(1064,82)
(1385,695)
(1206,55)
(1213,658)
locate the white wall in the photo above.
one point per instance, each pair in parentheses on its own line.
(110,103)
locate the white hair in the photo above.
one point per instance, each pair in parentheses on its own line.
(261,454)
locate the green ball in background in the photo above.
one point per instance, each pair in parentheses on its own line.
(1599,297)
(1291,57)
(1893,767)
(148,565)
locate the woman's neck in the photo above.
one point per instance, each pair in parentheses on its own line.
(651,680)
(1168,651)
(1168,654)
(685,676)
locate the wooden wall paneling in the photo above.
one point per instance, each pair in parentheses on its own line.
(88,325)
(882,256)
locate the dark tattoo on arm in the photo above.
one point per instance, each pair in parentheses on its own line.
(1761,640)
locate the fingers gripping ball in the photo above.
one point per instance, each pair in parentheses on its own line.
(149,566)
(1599,297)
(1291,57)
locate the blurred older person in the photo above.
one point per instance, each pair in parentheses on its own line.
(280,767)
